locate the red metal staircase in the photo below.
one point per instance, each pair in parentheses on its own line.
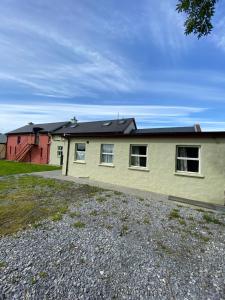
(23,150)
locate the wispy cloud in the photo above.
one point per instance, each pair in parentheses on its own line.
(144,114)
(85,73)
(217,36)
(86,66)
(104,52)
(166,27)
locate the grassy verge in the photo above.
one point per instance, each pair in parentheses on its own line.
(26,200)
(12,167)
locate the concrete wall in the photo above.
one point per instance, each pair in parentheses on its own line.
(38,154)
(2,151)
(55,142)
(160,175)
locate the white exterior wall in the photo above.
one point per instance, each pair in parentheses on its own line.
(55,142)
(160,176)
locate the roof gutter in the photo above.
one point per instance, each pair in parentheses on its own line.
(199,134)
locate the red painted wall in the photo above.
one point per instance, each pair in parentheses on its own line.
(38,153)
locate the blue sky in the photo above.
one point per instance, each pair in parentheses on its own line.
(94,59)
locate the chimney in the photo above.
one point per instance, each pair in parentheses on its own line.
(73,120)
(197,128)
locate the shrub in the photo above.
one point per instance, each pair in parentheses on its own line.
(124,230)
(75,214)
(101,199)
(211,219)
(94,213)
(174,214)
(57,217)
(79,224)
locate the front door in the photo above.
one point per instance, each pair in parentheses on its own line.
(61,160)
(60,154)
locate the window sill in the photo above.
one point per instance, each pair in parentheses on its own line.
(139,169)
(186,174)
(107,165)
(79,162)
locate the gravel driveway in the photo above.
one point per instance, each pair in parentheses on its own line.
(115,246)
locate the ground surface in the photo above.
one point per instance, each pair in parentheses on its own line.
(99,244)
(11,167)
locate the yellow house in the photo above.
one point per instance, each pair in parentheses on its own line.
(182,162)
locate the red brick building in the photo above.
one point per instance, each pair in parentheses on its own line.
(31,143)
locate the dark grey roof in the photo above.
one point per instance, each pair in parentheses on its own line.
(43,128)
(3,138)
(165,130)
(101,127)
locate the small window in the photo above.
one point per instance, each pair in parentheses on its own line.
(59,151)
(18,139)
(80,151)
(41,152)
(138,156)
(188,159)
(37,138)
(107,153)
(122,122)
(107,123)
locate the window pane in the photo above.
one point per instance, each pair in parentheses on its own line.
(80,151)
(135,161)
(81,147)
(188,165)
(138,161)
(107,148)
(191,152)
(193,166)
(143,161)
(139,150)
(182,165)
(80,155)
(107,158)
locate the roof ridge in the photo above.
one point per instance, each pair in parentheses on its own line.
(109,120)
(192,126)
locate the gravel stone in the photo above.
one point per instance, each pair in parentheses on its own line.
(128,249)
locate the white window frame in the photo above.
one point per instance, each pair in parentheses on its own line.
(106,153)
(139,155)
(75,153)
(59,151)
(189,158)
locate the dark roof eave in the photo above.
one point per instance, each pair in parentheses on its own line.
(200,134)
(93,134)
(28,132)
(212,134)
